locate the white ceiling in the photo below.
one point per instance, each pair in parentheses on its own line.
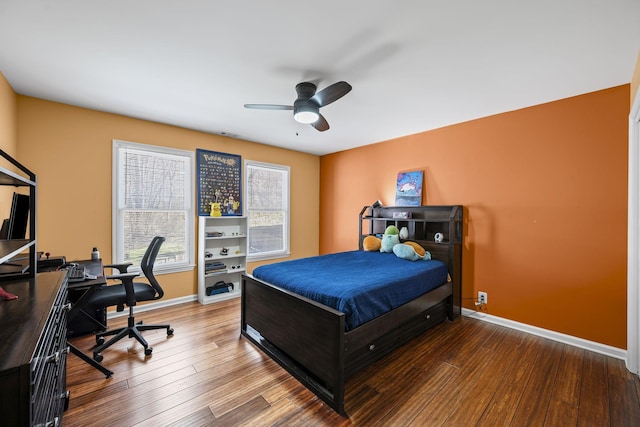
(414,65)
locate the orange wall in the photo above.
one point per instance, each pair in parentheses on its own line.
(8,137)
(545,196)
(69,148)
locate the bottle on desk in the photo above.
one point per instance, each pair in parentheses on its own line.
(95,254)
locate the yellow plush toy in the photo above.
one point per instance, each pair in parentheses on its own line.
(215,209)
(371,244)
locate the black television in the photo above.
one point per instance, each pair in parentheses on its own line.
(15,227)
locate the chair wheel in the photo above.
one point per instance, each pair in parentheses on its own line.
(99,340)
(97,357)
(170,331)
(147,351)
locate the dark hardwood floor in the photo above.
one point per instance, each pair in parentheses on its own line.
(462,373)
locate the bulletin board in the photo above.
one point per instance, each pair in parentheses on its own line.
(219,177)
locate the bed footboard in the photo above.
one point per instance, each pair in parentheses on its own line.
(312,351)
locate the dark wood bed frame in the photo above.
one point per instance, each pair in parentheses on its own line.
(308,339)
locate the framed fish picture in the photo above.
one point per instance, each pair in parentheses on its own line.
(409,189)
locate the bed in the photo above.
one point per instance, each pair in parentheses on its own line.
(292,311)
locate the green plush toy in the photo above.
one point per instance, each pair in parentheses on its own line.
(390,238)
(392,229)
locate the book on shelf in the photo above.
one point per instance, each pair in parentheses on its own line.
(214,266)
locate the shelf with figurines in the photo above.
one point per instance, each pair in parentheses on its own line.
(222,253)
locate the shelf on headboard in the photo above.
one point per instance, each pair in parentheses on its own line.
(422,222)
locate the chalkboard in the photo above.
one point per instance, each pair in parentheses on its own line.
(219,183)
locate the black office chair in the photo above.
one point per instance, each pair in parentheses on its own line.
(129,292)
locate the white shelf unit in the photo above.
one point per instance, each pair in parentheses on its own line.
(214,235)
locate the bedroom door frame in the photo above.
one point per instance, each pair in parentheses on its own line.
(633,241)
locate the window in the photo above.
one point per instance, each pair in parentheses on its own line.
(267,210)
(152,195)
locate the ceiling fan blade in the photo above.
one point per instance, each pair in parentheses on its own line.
(321,124)
(331,93)
(269,106)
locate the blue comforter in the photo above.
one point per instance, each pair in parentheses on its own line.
(362,285)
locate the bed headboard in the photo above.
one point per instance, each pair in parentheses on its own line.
(422,223)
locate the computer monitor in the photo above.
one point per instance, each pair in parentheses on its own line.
(16,224)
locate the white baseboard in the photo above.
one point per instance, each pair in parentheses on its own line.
(607,350)
(152,306)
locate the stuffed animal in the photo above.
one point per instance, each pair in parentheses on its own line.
(215,209)
(389,239)
(404,233)
(392,229)
(409,252)
(419,249)
(388,242)
(371,244)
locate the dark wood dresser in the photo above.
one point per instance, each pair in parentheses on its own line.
(33,351)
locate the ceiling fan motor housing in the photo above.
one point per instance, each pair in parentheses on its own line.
(306,110)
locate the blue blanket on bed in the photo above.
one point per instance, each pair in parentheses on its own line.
(362,285)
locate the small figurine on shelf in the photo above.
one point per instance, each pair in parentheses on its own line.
(215,209)
(404,233)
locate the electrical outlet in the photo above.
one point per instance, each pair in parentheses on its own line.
(482,297)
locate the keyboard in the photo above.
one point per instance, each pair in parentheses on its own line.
(78,273)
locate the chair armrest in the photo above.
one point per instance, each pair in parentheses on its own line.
(123,277)
(127,282)
(122,268)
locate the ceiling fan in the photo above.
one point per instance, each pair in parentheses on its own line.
(306,107)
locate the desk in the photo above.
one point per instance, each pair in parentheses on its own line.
(33,351)
(93,267)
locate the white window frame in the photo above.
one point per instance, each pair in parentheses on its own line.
(118,148)
(285,252)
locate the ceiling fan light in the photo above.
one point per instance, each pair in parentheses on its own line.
(306,114)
